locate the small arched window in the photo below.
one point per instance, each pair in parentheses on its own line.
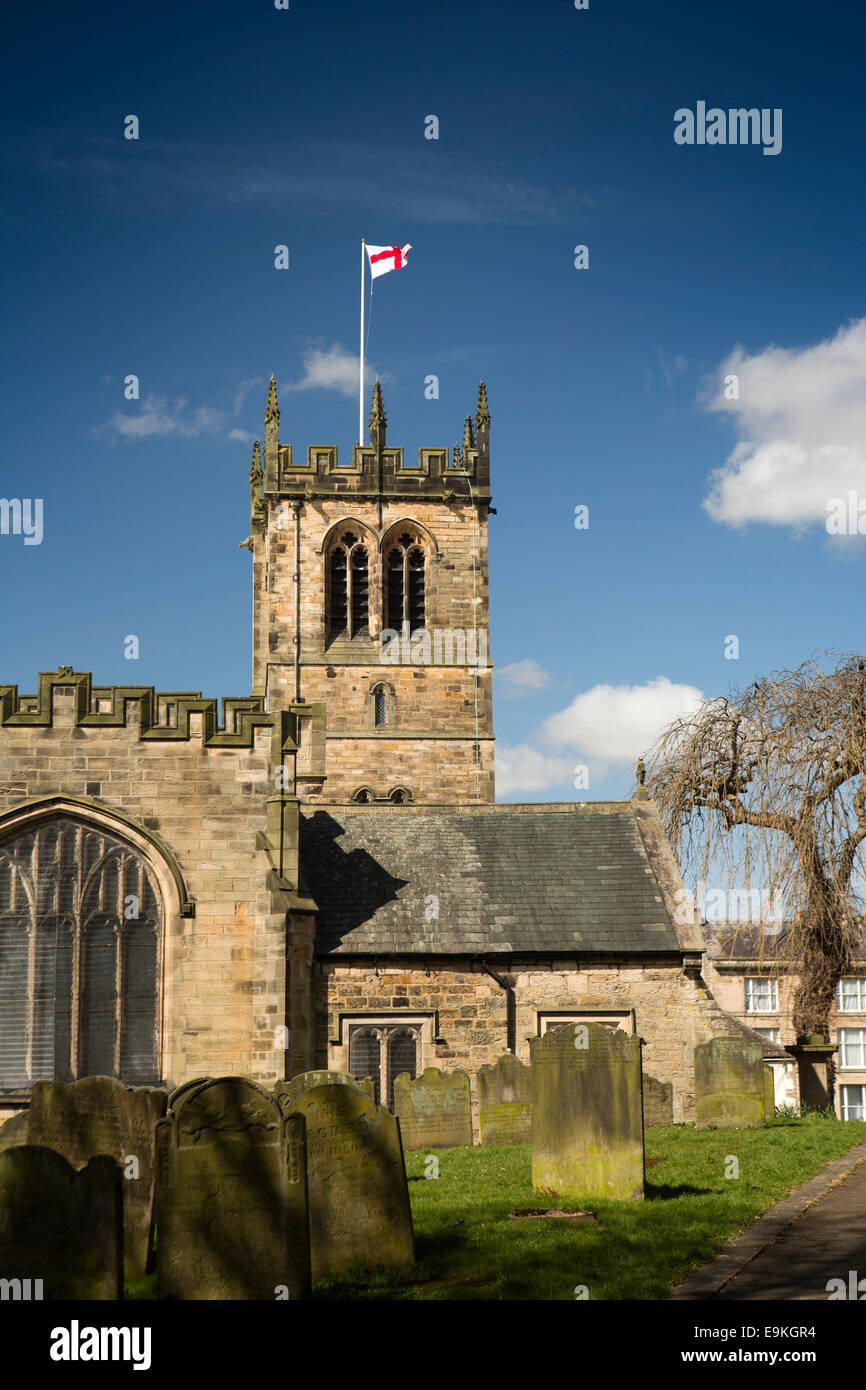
(363,796)
(400,796)
(406,585)
(348,587)
(380,706)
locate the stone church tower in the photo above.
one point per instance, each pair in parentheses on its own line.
(371,607)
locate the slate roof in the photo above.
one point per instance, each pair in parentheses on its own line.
(507,879)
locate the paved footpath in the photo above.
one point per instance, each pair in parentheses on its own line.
(816,1234)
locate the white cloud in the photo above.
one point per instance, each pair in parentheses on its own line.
(159,416)
(525,769)
(243,436)
(801,418)
(617,723)
(521,678)
(332,369)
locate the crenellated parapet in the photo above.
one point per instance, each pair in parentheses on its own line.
(166,716)
(377,469)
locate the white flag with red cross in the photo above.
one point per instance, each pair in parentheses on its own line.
(385,258)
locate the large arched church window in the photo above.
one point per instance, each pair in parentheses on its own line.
(348,599)
(405,599)
(80,933)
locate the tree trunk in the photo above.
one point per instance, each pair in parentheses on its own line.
(824,957)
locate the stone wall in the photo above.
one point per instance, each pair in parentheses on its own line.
(673,1011)
(434,699)
(223,972)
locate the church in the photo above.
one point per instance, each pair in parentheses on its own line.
(317,874)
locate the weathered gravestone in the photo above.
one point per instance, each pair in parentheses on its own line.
(359,1195)
(658,1102)
(587,1131)
(286,1091)
(505,1101)
(434,1111)
(98,1115)
(769,1092)
(60,1227)
(729,1084)
(231,1195)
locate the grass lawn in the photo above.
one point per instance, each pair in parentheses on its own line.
(468,1248)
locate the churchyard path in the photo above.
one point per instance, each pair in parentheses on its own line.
(815,1235)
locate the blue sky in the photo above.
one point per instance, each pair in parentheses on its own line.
(305,127)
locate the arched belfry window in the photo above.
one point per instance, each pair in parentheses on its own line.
(80,933)
(348,587)
(406,585)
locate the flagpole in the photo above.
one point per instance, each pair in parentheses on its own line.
(361,380)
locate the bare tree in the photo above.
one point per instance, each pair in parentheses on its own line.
(770,783)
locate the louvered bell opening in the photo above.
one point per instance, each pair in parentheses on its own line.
(395,591)
(360,590)
(416,588)
(338,615)
(402,1056)
(365,1057)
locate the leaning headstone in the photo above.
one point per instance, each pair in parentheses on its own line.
(434,1111)
(359,1195)
(658,1102)
(231,1195)
(505,1101)
(98,1115)
(769,1092)
(61,1231)
(587,1131)
(729,1084)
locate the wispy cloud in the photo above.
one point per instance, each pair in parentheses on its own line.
(521,678)
(158,415)
(801,418)
(326,177)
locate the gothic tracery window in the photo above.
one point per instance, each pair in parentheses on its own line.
(406,585)
(80,931)
(348,587)
(383,1051)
